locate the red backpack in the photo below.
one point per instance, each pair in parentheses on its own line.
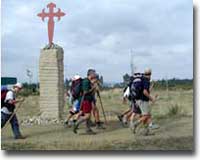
(4,91)
(76,88)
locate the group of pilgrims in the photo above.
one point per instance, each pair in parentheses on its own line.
(83,94)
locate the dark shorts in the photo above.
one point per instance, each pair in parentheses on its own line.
(86,106)
(135,108)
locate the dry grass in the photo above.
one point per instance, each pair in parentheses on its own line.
(176,130)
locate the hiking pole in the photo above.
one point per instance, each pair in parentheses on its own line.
(12,115)
(98,94)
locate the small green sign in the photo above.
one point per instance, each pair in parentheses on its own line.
(8,80)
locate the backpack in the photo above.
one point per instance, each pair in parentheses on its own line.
(4,91)
(136,87)
(76,88)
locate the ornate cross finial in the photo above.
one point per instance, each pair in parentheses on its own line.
(51,14)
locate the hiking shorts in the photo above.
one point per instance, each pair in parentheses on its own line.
(86,106)
(145,108)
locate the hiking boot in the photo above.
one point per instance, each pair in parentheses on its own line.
(66,125)
(90,132)
(74,121)
(75,129)
(20,137)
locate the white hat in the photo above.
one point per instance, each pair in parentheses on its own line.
(19,85)
(76,77)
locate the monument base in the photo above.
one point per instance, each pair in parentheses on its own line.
(51,77)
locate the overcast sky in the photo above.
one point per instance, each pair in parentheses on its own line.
(100,34)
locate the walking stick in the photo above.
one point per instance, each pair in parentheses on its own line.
(12,115)
(98,94)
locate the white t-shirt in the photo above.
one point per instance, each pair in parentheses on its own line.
(9,96)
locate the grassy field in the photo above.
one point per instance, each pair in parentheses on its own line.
(173,112)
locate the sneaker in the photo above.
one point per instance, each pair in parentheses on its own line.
(75,129)
(154,126)
(20,137)
(133,126)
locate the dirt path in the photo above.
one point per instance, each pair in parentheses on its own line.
(174,133)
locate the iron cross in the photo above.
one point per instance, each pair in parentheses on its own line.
(51,16)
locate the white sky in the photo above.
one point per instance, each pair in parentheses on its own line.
(100,34)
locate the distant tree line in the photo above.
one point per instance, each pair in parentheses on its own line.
(172,84)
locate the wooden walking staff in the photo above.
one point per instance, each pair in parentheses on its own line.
(104,115)
(12,115)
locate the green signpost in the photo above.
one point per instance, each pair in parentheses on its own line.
(8,80)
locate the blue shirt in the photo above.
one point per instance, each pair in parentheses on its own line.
(146,85)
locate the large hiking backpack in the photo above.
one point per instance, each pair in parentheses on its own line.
(136,87)
(4,91)
(76,88)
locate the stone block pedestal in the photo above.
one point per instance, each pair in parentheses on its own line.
(51,77)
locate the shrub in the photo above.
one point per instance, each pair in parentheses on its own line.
(174,109)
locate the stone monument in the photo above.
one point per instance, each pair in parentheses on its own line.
(51,70)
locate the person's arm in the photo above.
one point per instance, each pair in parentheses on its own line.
(93,89)
(11,101)
(146,93)
(10,98)
(15,101)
